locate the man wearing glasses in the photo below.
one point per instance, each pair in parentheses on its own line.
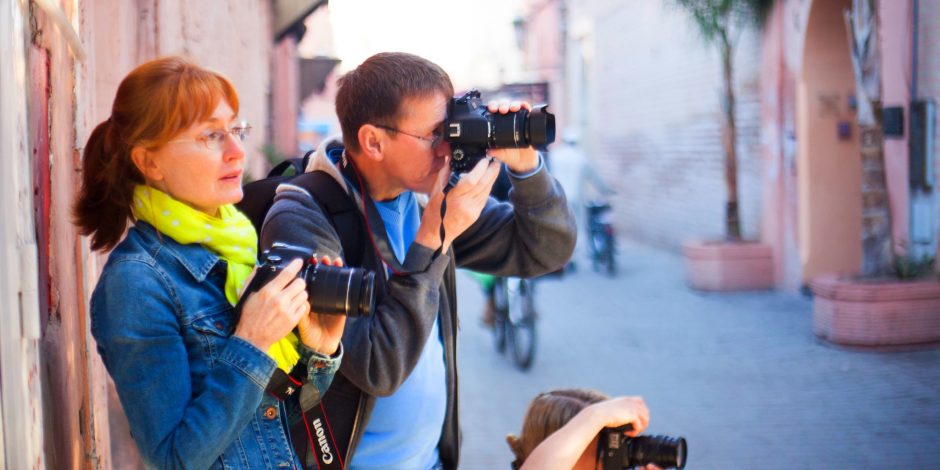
(394,402)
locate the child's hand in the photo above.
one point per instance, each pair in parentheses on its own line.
(623,410)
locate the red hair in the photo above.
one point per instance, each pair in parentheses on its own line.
(155,102)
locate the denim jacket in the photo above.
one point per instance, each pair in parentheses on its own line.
(194,394)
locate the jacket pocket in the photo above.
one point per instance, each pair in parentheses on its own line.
(213,328)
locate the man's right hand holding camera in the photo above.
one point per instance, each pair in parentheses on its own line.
(464,204)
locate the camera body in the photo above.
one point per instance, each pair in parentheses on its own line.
(471,129)
(618,451)
(331,289)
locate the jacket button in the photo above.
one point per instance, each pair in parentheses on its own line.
(218,325)
(270,413)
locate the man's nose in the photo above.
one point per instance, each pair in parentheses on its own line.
(442,149)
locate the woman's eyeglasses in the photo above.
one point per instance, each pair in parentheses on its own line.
(214,140)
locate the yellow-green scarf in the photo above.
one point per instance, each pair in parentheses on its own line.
(231,236)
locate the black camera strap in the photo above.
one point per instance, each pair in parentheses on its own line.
(451,182)
(283,385)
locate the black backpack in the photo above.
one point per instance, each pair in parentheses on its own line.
(326,191)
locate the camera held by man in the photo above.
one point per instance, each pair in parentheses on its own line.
(471,129)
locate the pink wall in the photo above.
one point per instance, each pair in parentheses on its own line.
(828,167)
(813,195)
(895,17)
(778,142)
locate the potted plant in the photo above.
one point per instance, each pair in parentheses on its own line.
(894,300)
(732,263)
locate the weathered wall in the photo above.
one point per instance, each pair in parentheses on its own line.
(66,99)
(657,123)
(21,384)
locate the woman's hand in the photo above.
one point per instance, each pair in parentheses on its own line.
(270,313)
(520,161)
(465,201)
(322,332)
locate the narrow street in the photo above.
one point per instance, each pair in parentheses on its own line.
(740,376)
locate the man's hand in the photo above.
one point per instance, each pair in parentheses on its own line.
(322,332)
(520,161)
(465,201)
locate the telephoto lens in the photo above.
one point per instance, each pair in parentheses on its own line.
(341,291)
(331,289)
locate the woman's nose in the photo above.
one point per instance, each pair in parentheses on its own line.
(233,148)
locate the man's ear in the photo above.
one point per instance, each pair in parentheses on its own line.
(372,142)
(146,164)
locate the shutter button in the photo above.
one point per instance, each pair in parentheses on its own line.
(270,413)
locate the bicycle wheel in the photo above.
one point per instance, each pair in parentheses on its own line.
(521,322)
(610,258)
(500,321)
(598,249)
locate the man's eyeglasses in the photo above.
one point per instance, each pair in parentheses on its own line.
(434,139)
(215,139)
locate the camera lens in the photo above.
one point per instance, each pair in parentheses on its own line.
(522,128)
(662,451)
(341,291)
(541,127)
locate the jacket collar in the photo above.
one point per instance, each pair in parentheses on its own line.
(194,257)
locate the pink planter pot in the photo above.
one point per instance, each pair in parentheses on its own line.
(868,313)
(723,266)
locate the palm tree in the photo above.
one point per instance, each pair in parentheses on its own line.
(719,22)
(861,24)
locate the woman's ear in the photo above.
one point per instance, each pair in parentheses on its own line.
(372,142)
(146,164)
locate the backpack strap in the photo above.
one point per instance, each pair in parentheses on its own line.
(339,207)
(259,195)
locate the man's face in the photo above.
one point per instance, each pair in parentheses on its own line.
(411,162)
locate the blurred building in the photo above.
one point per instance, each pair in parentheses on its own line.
(644,90)
(319,73)
(62,62)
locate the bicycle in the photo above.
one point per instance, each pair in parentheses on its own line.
(515,316)
(601,239)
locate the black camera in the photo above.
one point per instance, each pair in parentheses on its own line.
(471,129)
(331,289)
(618,451)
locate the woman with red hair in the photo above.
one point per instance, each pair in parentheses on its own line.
(192,377)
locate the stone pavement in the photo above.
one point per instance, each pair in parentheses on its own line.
(740,376)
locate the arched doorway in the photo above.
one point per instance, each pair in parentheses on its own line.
(828,157)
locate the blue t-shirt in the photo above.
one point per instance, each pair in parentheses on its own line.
(404,428)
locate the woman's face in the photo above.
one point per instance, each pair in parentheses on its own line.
(204,178)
